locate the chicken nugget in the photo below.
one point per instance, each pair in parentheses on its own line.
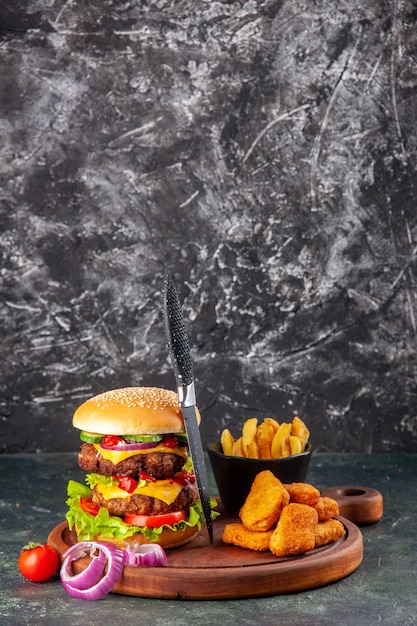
(295,533)
(303,493)
(328,532)
(264,503)
(238,535)
(326,508)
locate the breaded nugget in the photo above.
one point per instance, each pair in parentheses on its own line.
(326,508)
(303,493)
(295,533)
(264,503)
(238,535)
(328,532)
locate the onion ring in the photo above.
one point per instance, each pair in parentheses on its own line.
(147,554)
(134,445)
(90,584)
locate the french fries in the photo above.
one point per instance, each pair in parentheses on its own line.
(227,442)
(249,446)
(267,440)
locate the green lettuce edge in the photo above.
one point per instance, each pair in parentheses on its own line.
(113,527)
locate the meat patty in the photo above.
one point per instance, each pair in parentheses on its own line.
(156,464)
(146,505)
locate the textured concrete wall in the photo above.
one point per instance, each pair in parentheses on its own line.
(264,153)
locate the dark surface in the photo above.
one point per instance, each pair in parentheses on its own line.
(380,591)
(264,153)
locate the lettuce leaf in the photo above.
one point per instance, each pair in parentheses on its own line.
(111,526)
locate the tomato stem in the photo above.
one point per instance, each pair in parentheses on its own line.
(32,545)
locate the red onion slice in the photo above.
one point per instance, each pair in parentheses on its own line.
(135,445)
(92,572)
(90,585)
(147,554)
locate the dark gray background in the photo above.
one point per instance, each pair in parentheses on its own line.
(264,153)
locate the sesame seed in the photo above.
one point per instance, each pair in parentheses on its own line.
(144,397)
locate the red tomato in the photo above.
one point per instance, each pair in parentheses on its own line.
(88,506)
(170,441)
(111,441)
(127,483)
(154,521)
(145,476)
(38,562)
(183,478)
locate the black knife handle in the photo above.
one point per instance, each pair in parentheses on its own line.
(178,345)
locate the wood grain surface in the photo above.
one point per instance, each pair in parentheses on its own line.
(361,505)
(200,571)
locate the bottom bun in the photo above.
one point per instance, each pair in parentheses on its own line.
(167,539)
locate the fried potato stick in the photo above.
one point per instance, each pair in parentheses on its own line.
(328,532)
(264,503)
(303,493)
(295,533)
(326,509)
(236,534)
(264,436)
(300,430)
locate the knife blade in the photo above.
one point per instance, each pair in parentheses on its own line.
(180,353)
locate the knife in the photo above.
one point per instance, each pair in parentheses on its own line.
(180,353)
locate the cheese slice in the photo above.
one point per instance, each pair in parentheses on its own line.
(163,490)
(116,456)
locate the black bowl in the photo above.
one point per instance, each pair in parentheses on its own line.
(234,475)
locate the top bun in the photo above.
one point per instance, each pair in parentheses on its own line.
(131,411)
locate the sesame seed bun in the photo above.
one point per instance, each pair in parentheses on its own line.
(131,411)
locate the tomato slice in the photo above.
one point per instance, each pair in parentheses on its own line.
(153,521)
(127,483)
(145,476)
(184,478)
(111,441)
(170,441)
(88,506)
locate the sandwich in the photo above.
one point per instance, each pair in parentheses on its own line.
(139,486)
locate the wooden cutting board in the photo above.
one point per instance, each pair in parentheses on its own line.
(198,571)
(362,505)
